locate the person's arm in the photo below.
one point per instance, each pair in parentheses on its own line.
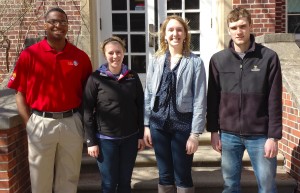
(147,137)
(216,141)
(89,118)
(23,108)
(275,108)
(199,97)
(140,106)
(148,93)
(199,106)
(275,99)
(93,151)
(213,98)
(271,148)
(147,105)
(213,101)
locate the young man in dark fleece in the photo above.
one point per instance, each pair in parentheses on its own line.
(244,110)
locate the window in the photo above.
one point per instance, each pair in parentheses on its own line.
(293,18)
(127,22)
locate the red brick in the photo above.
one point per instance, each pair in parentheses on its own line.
(296,133)
(6,157)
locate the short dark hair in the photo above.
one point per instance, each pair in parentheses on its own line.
(55,9)
(237,13)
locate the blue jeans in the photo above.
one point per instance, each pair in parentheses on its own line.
(233,148)
(116,161)
(173,163)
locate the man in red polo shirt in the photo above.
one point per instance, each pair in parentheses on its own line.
(49,78)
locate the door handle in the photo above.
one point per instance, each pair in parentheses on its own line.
(151,35)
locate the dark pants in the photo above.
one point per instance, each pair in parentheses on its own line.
(173,163)
(116,162)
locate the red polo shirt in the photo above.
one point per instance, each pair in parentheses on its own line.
(51,81)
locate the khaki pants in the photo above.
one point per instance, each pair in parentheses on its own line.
(55,152)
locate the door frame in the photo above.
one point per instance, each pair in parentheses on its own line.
(208,35)
(219,11)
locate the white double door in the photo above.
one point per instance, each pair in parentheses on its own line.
(135,21)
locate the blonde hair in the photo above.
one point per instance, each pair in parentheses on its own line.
(115,39)
(163,46)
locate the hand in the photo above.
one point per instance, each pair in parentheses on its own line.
(271,148)
(147,137)
(93,151)
(192,145)
(216,142)
(141,144)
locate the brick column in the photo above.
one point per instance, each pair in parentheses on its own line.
(290,143)
(14,171)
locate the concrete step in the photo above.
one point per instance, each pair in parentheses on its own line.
(206,172)
(206,180)
(204,157)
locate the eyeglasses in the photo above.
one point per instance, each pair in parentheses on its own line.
(56,22)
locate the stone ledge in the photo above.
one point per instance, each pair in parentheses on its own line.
(9,116)
(276,37)
(288,52)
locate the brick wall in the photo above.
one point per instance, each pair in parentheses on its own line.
(268,16)
(280,16)
(14,171)
(21,19)
(263,14)
(290,143)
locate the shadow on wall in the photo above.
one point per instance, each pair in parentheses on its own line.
(296,166)
(298,43)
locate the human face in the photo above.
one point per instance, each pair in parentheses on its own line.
(114,55)
(56,26)
(175,34)
(240,34)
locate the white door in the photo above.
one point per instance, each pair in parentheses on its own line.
(197,12)
(136,21)
(127,20)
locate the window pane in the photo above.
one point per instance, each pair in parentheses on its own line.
(195,42)
(293,6)
(137,4)
(138,43)
(294,24)
(119,22)
(174,4)
(125,60)
(137,22)
(170,13)
(118,5)
(138,64)
(189,4)
(194,20)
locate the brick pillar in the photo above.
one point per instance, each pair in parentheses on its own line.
(14,171)
(290,143)
(280,16)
